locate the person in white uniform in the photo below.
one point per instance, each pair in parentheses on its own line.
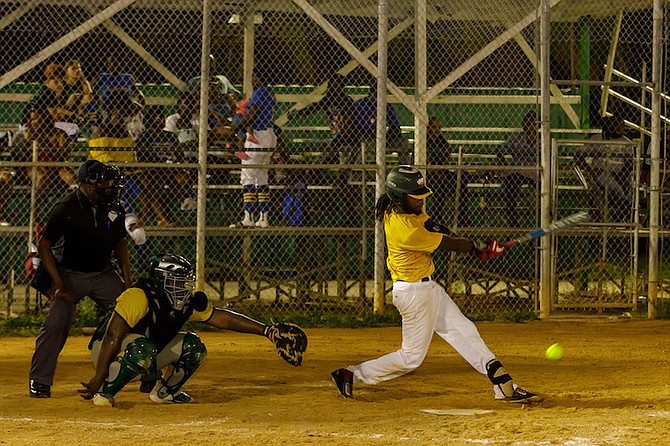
(425,307)
(258,147)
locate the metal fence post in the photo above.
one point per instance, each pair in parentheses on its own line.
(546,290)
(379,287)
(655,150)
(202,145)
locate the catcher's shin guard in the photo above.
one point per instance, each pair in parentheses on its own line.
(193,353)
(139,357)
(499,377)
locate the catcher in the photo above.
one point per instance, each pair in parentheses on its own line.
(141,336)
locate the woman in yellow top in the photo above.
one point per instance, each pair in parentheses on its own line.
(425,307)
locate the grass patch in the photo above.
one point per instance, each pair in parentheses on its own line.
(88,316)
(23,326)
(663,310)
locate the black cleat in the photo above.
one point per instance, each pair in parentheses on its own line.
(38,390)
(344,380)
(523,396)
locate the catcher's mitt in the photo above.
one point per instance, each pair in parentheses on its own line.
(289,339)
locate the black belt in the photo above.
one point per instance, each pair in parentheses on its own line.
(426,279)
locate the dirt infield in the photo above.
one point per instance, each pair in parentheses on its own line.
(611,388)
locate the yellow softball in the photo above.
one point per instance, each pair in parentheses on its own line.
(554,352)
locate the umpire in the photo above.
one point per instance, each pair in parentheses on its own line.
(90,223)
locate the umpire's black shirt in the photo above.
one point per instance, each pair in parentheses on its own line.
(89,232)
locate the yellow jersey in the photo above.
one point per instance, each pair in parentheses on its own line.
(410,246)
(132,305)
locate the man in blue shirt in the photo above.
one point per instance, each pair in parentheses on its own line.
(366,123)
(259,146)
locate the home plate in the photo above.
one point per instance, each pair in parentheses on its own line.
(456,412)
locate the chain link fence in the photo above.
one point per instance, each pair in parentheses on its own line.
(294,233)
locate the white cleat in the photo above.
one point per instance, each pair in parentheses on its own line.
(159,395)
(102,400)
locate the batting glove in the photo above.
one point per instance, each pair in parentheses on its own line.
(488,250)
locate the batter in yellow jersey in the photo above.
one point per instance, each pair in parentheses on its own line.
(425,307)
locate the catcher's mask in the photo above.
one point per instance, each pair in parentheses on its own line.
(406,180)
(105,178)
(176,275)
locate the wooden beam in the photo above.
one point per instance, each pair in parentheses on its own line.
(555,91)
(64,41)
(131,43)
(357,54)
(17,14)
(485,52)
(604,96)
(348,68)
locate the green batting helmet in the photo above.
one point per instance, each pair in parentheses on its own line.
(406,180)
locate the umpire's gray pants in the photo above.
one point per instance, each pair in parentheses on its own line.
(102,287)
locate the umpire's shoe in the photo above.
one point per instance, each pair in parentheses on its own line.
(38,390)
(344,380)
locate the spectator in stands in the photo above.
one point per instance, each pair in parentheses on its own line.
(157,145)
(53,145)
(6,178)
(115,79)
(114,124)
(77,89)
(111,142)
(51,96)
(241,105)
(444,182)
(340,111)
(51,100)
(611,169)
(366,125)
(183,128)
(135,121)
(522,147)
(255,181)
(227,87)
(220,111)
(184,124)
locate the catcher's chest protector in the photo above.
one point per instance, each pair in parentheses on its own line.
(162,323)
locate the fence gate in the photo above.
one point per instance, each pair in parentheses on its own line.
(596,264)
